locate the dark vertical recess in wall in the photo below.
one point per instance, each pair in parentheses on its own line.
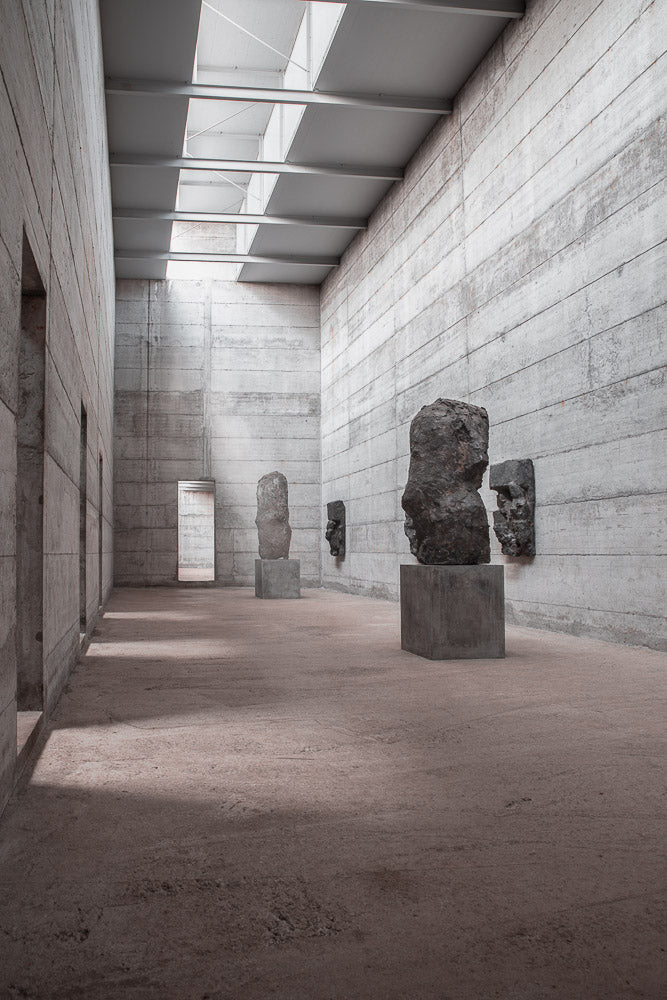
(30,489)
(100,532)
(83,503)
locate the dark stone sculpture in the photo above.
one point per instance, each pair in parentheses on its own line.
(335,533)
(514,521)
(273,517)
(446,519)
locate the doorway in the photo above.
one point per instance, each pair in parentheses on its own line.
(100,531)
(196,531)
(30,497)
(83,524)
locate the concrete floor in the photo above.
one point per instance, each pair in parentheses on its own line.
(243,799)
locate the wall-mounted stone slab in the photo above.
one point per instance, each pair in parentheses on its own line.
(514,521)
(335,533)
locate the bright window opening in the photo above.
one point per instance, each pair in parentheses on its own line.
(196,530)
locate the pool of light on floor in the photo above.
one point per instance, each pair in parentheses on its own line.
(166,649)
(150,616)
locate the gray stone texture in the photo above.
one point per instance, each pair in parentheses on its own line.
(514,521)
(453,612)
(446,519)
(54,185)
(273,530)
(335,530)
(277,578)
(520,266)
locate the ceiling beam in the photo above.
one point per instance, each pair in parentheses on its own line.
(324,222)
(226,258)
(278,95)
(487,8)
(253,137)
(255,166)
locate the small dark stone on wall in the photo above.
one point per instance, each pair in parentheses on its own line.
(514,521)
(273,517)
(335,533)
(446,520)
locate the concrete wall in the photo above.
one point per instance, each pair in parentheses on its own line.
(54,184)
(518,267)
(218,380)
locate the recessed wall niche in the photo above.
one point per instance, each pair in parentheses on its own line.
(30,488)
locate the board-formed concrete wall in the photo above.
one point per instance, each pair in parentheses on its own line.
(214,380)
(54,184)
(519,266)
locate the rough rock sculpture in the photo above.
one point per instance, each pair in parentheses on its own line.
(335,533)
(514,521)
(446,520)
(273,517)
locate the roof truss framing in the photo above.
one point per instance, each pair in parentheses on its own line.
(245,218)
(272,95)
(486,8)
(277,95)
(226,258)
(256,166)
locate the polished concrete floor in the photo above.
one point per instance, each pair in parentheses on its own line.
(243,799)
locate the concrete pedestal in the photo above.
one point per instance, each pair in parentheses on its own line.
(453,612)
(277,578)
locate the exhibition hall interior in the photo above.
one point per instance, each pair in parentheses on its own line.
(332,522)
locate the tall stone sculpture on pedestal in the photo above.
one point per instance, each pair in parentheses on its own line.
(273,527)
(275,574)
(452,606)
(446,519)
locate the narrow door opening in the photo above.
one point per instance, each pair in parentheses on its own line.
(100,532)
(196,530)
(30,498)
(83,508)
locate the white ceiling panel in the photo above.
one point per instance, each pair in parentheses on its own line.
(341,135)
(144,235)
(149,39)
(326,196)
(385,50)
(316,241)
(299,274)
(151,124)
(146,269)
(132,188)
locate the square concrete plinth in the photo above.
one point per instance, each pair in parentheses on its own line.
(453,612)
(277,578)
